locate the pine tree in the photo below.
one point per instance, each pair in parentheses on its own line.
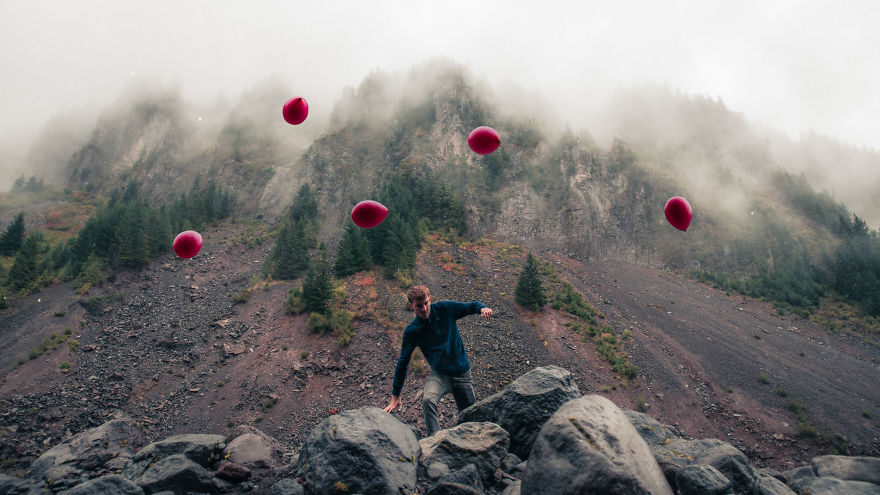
(529,290)
(12,237)
(291,254)
(353,253)
(318,286)
(24,270)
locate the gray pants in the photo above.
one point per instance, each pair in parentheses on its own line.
(436,387)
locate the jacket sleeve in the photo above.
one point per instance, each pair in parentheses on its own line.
(460,309)
(406,350)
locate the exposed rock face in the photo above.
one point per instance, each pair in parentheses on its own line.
(89,450)
(522,407)
(179,473)
(700,479)
(254,449)
(200,448)
(482,444)
(589,446)
(848,468)
(365,450)
(111,483)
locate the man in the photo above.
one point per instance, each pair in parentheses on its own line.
(435,332)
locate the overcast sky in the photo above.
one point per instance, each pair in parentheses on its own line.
(790,65)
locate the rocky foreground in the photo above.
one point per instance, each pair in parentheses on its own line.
(537,435)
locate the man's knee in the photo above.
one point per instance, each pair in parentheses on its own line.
(430,401)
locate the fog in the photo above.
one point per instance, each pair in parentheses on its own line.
(799,68)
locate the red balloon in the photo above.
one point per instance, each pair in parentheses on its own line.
(295,110)
(368,214)
(484,140)
(187,244)
(678,213)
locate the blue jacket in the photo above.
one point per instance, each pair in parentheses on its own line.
(439,340)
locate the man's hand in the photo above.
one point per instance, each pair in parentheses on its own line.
(486,313)
(394,404)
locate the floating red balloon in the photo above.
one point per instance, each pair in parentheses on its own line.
(295,110)
(484,140)
(368,214)
(187,244)
(678,213)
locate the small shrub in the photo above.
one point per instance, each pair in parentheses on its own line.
(68,331)
(240,298)
(284,348)
(65,366)
(60,313)
(73,345)
(220,384)
(796,406)
(866,413)
(268,403)
(729,390)
(605,388)
(764,379)
(340,486)
(641,405)
(295,303)
(782,392)
(304,354)
(807,430)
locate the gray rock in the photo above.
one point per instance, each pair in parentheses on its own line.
(89,450)
(513,489)
(522,407)
(200,448)
(365,449)
(834,486)
(768,485)
(287,486)
(510,461)
(798,476)
(730,461)
(447,488)
(761,472)
(233,472)
(254,449)
(589,446)
(848,468)
(467,475)
(652,431)
(179,473)
(437,470)
(482,444)
(10,485)
(106,485)
(701,479)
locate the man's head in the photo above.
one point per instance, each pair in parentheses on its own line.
(419,301)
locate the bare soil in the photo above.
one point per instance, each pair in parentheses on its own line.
(173,351)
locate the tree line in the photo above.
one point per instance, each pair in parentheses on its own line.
(124,232)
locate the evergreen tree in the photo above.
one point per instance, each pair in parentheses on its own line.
(305,206)
(24,270)
(529,290)
(12,237)
(291,254)
(318,286)
(353,254)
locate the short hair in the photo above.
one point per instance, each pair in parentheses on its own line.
(417,292)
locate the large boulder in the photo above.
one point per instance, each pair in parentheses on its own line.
(287,486)
(10,485)
(178,473)
(482,444)
(364,450)
(769,485)
(449,488)
(467,475)
(589,446)
(89,450)
(254,449)
(799,476)
(730,461)
(110,484)
(201,448)
(834,486)
(701,479)
(848,468)
(652,431)
(522,407)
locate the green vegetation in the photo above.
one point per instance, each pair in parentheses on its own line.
(296,234)
(764,378)
(13,236)
(529,290)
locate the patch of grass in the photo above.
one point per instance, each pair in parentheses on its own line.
(763,378)
(269,403)
(641,405)
(605,388)
(284,348)
(60,313)
(240,298)
(866,413)
(96,305)
(796,406)
(806,430)
(73,345)
(801,354)
(220,384)
(68,331)
(729,390)
(8,462)
(304,354)
(782,392)
(64,367)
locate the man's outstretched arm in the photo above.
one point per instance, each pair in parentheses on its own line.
(406,351)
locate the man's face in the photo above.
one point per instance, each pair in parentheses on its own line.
(421,307)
